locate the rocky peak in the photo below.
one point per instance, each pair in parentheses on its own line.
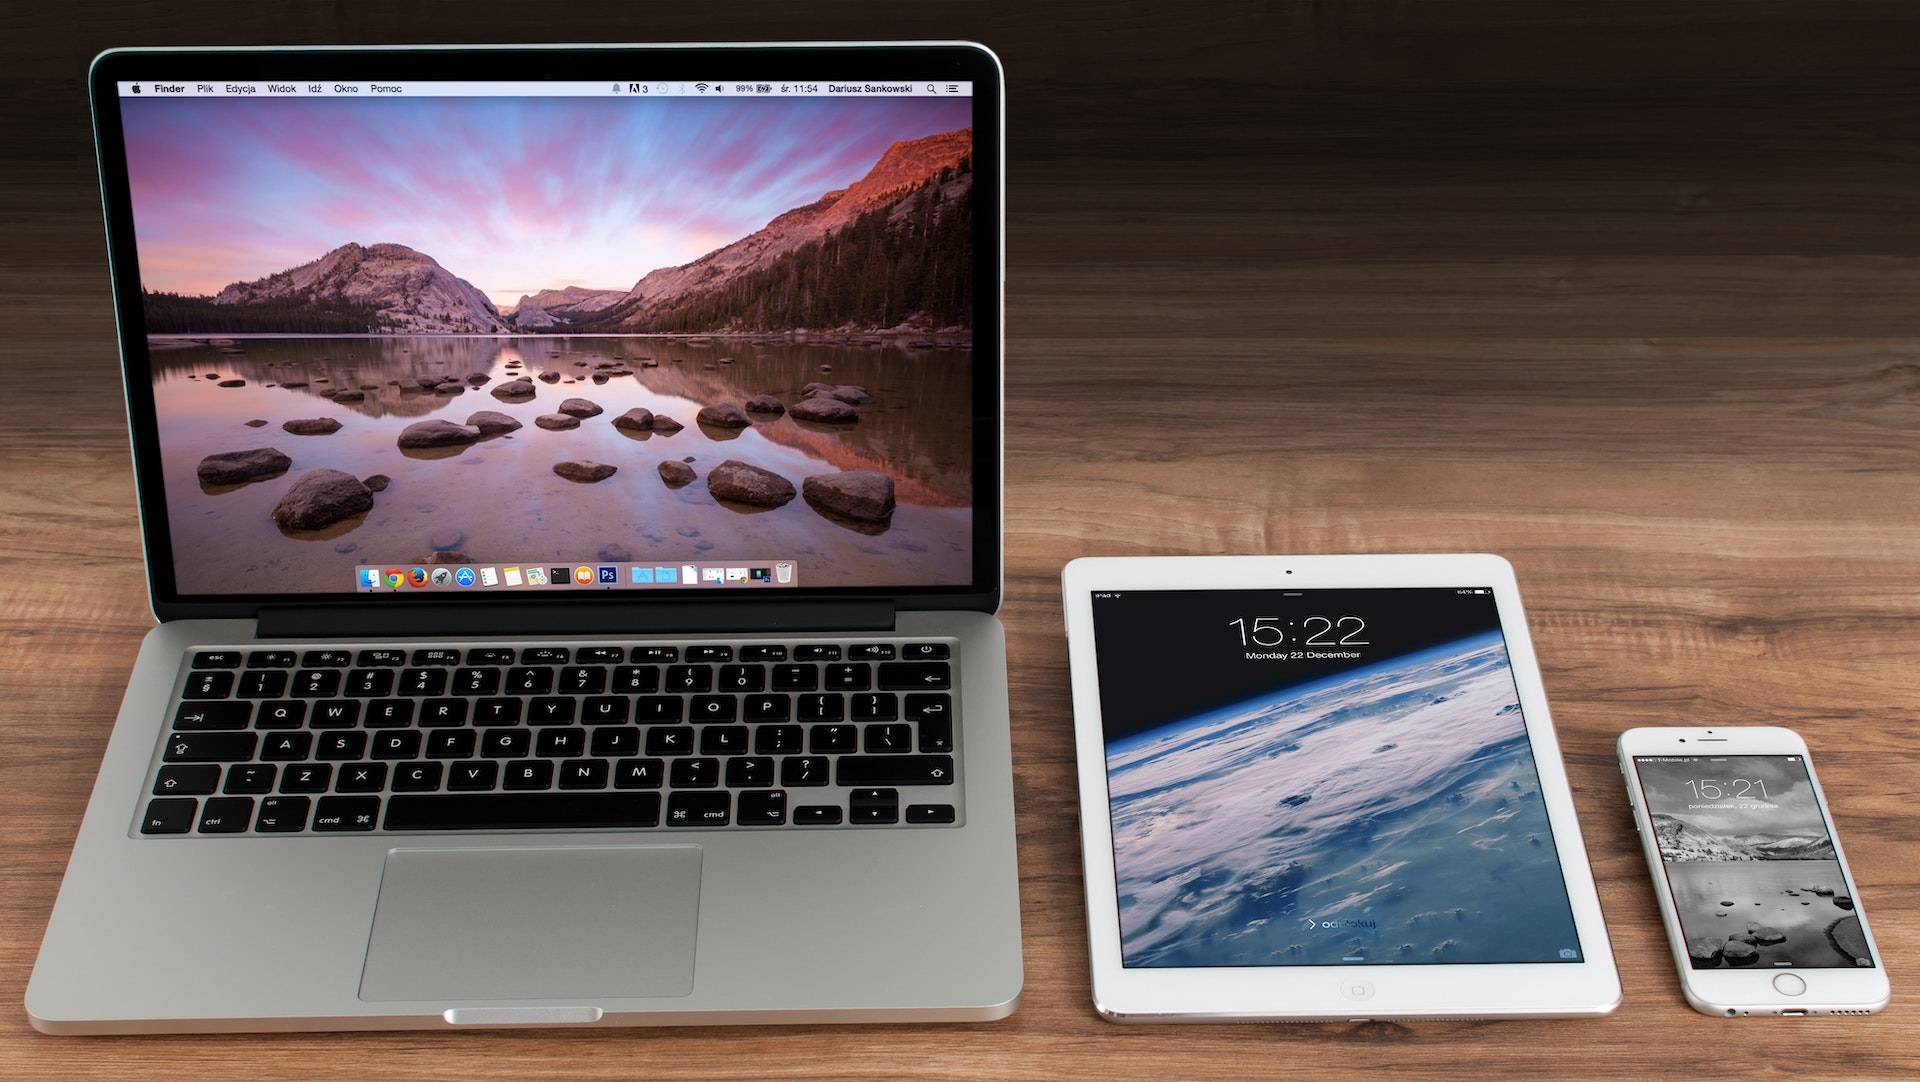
(411,292)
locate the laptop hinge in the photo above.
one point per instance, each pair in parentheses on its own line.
(448,621)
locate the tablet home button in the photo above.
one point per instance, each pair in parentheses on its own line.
(1789,985)
(1356,989)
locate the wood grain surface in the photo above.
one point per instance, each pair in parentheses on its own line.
(1627,292)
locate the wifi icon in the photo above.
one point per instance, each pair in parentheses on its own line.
(701,87)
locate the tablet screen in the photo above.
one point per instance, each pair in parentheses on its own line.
(1323,777)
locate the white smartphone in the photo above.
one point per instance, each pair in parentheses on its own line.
(1759,906)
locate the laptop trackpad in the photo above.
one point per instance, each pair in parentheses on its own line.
(607,922)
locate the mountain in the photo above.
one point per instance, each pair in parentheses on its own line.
(572,300)
(407,292)
(1682,841)
(937,169)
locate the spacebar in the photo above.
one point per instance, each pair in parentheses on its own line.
(520,811)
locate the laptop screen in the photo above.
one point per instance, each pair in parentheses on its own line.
(433,337)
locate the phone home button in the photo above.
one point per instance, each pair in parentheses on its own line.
(1789,985)
(1356,988)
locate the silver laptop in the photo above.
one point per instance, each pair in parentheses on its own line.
(571,485)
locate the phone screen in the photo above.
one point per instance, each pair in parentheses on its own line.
(1750,861)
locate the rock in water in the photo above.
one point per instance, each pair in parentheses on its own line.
(437,434)
(1704,951)
(580,407)
(824,409)
(516,388)
(1740,954)
(233,383)
(735,480)
(556,422)
(377,483)
(851,394)
(257,422)
(637,419)
(321,498)
(765,403)
(585,472)
(664,423)
(493,423)
(676,474)
(549,377)
(312,426)
(233,467)
(860,495)
(723,415)
(477,378)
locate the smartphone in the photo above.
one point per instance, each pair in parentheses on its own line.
(1760,909)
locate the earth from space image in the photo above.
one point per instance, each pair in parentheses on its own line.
(1387,815)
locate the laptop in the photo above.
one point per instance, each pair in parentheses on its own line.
(570,480)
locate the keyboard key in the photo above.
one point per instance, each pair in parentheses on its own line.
(282,814)
(852,676)
(583,774)
(615,742)
(930,813)
(888,739)
(251,778)
(694,773)
(916,676)
(832,739)
(822,707)
(699,809)
(389,713)
(400,745)
(316,683)
(804,770)
(473,775)
(749,771)
(639,773)
(896,770)
(197,716)
(208,685)
(371,659)
(636,679)
(796,677)
(743,678)
(870,651)
(529,681)
(933,716)
(599,655)
(169,815)
(551,710)
(767,708)
(689,678)
(476,681)
(583,680)
(531,811)
(723,740)
(421,683)
(262,684)
(816,653)
(560,743)
(763,808)
(417,777)
(436,657)
(287,747)
(709,653)
(326,659)
(339,747)
(817,815)
(606,710)
(778,739)
(507,743)
(280,714)
(342,813)
(452,744)
(490,655)
(875,706)
(528,774)
(670,740)
(712,708)
(186,780)
(544,655)
(763,653)
(210,747)
(306,778)
(216,659)
(226,815)
(334,714)
(659,655)
(271,659)
(496,712)
(873,806)
(361,778)
(655,709)
(926,651)
(443,713)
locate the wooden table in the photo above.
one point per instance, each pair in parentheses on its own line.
(1629,293)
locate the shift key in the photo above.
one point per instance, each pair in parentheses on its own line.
(210,747)
(869,770)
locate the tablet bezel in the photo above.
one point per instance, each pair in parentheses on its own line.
(1586,988)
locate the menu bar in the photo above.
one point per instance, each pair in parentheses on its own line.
(868,88)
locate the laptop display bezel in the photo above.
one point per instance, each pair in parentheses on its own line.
(951,61)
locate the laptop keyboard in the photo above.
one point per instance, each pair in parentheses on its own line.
(406,738)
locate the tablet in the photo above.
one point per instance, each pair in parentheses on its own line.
(1323,788)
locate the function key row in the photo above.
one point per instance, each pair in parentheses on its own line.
(394,657)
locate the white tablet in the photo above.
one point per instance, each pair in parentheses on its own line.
(1322,788)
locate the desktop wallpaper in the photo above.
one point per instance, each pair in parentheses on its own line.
(447,331)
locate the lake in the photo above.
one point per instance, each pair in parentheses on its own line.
(499,501)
